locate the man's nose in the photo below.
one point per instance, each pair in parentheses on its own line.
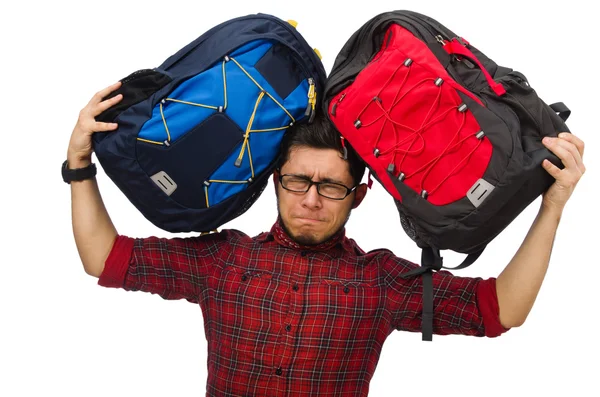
(312,199)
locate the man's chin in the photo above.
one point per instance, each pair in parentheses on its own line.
(304,237)
(307,239)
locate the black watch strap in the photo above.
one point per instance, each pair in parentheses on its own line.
(77,174)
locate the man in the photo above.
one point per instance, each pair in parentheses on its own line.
(301,309)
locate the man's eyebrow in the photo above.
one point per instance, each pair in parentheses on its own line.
(299,175)
(327,180)
(331,180)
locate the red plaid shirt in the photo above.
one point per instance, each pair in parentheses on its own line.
(287,320)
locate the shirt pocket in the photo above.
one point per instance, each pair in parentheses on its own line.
(350,309)
(248,301)
(247,289)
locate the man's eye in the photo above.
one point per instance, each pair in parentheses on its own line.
(332,189)
(296,183)
(297,180)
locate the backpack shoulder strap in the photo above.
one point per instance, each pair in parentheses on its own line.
(432,260)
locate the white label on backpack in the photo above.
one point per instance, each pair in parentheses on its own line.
(479,191)
(164,182)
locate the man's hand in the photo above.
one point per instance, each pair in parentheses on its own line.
(569,149)
(80,146)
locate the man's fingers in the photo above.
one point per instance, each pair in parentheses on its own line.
(97,98)
(104,127)
(574,150)
(551,168)
(574,140)
(102,106)
(561,151)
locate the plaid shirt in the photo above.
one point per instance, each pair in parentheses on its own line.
(287,320)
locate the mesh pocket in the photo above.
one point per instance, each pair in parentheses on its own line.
(136,87)
(411,229)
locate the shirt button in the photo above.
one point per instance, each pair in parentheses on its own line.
(279,371)
(244,277)
(303,253)
(346,290)
(295,287)
(288,328)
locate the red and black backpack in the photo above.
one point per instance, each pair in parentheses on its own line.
(452,136)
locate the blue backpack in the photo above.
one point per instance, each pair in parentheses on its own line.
(200,135)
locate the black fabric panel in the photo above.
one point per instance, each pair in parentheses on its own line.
(136,87)
(432,23)
(501,127)
(280,69)
(192,158)
(536,118)
(535,182)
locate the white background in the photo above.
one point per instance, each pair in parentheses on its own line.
(61,334)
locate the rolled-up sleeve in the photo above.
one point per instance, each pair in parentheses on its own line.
(487,301)
(117,263)
(174,268)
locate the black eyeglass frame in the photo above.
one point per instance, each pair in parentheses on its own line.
(318,185)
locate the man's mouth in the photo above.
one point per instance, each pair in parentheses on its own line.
(308,219)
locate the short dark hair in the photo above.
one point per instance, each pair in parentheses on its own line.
(321,134)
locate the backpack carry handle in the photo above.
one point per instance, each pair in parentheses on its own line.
(456,47)
(561,109)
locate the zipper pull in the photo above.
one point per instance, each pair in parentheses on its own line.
(313,105)
(344,150)
(311,88)
(441,40)
(238,161)
(335,105)
(312,100)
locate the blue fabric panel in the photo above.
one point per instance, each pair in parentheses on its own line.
(205,88)
(242,94)
(297,101)
(263,145)
(270,115)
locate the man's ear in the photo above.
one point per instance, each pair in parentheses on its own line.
(359,194)
(276,181)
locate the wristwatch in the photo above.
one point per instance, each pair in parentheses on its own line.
(77,174)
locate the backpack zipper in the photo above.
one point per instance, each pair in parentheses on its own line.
(312,100)
(137,74)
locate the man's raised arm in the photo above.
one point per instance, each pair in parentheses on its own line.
(93,229)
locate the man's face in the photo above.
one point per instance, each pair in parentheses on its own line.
(308,217)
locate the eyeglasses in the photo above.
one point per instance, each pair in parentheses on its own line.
(301,184)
